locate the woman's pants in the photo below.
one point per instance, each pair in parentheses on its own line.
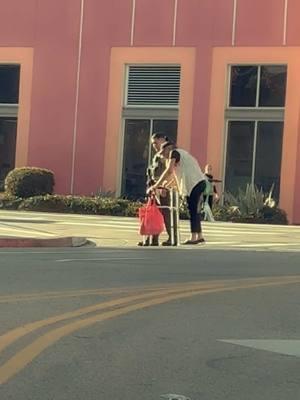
(193,204)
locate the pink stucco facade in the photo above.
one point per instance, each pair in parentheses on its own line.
(72,43)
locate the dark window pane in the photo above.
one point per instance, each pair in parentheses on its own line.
(239,155)
(136,157)
(243,86)
(8,135)
(168,127)
(268,156)
(9,84)
(272,86)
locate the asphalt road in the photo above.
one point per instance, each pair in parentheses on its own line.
(137,324)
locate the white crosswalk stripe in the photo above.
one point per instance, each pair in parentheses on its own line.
(218,234)
(123,231)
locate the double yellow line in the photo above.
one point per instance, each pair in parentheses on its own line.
(112,309)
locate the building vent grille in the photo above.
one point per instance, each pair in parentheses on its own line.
(157,86)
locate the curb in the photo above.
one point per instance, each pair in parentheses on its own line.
(34,242)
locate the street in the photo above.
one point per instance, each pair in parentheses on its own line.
(123,323)
(123,125)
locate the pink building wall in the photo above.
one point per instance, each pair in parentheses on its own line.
(54,86)
(154,23)
(259,23)
(99,36)
(18,20)
(52,29)
(203,25)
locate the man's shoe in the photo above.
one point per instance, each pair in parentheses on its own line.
(167,243)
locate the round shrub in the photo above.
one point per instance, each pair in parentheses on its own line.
(29,181)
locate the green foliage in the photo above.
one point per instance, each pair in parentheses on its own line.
(248,202)
(8,202)
(105,193)
(249,207)
(28,181)
(81,205)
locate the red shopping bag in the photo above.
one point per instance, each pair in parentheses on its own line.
(151,219)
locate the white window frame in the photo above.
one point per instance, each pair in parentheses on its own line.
(9,110)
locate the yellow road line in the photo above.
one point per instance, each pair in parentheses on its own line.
(62,295)
(85,292)
(67,294)
(15,334)
(21,359)
(108,291)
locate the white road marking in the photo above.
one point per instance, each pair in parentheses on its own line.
(274,244)
(286,347)
(27,232)
(220,243)
(171,396)
(62,216)
(131,226)
(64,260)
(74,250)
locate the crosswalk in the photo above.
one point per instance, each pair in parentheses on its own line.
(122,231)
(217,234)
(238,235)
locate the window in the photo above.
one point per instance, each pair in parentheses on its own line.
(254,155)
(239,160)
(255,120)
(257,86)
(268,156)
(272,86)
(9,99)
(138,152)
(151,104)
(243,86)
(8,136)
(9,84)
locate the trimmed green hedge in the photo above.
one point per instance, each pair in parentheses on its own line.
(29,181)
(80,205)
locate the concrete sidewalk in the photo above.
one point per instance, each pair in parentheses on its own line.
(123,232)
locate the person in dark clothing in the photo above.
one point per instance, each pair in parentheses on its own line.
(213,193)
(158,140)
(154,171)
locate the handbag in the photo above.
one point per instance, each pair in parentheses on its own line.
(151,219)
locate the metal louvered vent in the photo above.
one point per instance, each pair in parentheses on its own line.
(156,86)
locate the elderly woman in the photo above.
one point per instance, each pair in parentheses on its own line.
(191,182)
